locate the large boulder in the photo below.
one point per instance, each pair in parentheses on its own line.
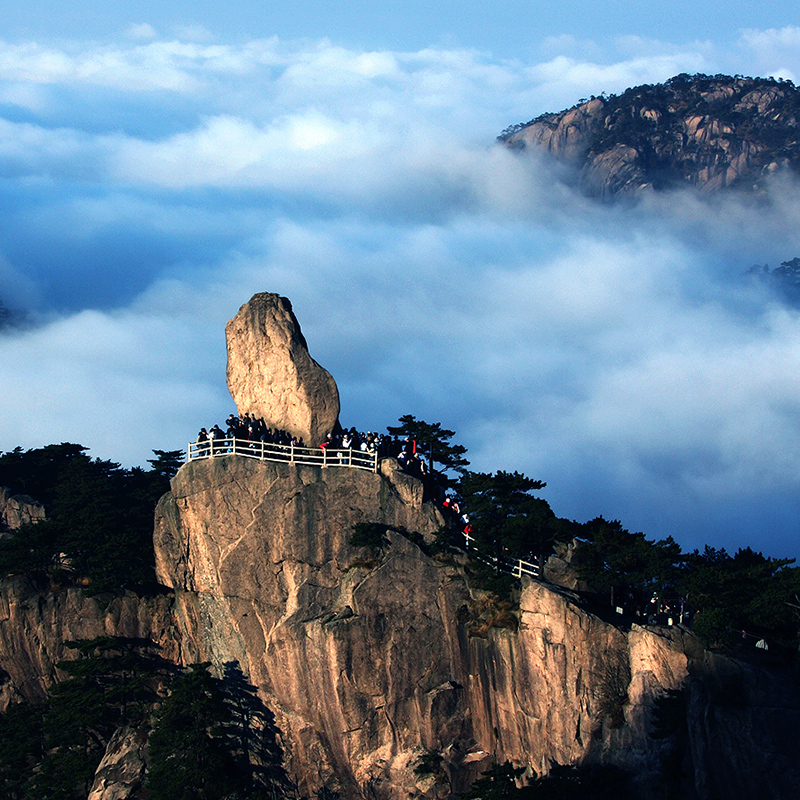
(272,375)
(121,772)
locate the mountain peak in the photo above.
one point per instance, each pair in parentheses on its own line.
(707,132)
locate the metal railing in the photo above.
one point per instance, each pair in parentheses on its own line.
(288,453)
(511,566)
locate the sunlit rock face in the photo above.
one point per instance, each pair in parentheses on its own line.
(121,772)
(377,661)
(372,659)
(35,626)
(705,132)
(271,374)
(17,510)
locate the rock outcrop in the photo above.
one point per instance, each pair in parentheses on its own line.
(390,675)
(272,375)
(371,660)
(34,627)
(18,509)
(122,770)
(706,132)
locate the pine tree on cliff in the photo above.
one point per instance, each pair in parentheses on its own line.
(110,684)
(433,441)
(189,756)
(507,518)
(215,738)
(99,522)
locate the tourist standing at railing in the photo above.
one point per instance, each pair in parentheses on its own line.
(347,444)
(202,442)
(216,434)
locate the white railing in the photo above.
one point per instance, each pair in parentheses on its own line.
(511,566)
(288,453)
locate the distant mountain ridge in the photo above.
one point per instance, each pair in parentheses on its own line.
(708,132)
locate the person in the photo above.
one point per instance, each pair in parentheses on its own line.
(216,434)
(347,444)
(202,442)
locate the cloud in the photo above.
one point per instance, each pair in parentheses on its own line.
(142,30)
(615,352)
(775,50)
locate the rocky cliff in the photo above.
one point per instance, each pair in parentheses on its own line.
(390,674)
(371,660)
(700,131)
(18,509)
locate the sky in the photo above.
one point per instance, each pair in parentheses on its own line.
(161,163)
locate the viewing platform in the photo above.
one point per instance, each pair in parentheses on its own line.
(333,457)
(265,451)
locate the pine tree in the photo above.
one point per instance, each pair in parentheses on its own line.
(189,755)
(506,518)
(110,684)
(433,441)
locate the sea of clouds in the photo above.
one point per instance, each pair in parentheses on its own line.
(151,185)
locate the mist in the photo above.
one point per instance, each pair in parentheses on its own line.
(618,353)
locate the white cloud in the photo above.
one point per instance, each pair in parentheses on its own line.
(142,30)
(775,51)
(608,350)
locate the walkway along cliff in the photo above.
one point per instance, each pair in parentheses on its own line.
(373,659)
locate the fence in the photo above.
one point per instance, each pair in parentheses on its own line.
(511,566)
(288,453)
(329,457)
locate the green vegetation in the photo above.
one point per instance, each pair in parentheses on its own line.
(51,752)
(784,280)
(434,442)
(724,595)
(99,526)
(746,593)
(650,119)
(614,558)
(507,519)
(369,534)
(211,738)
(208,737)
(428,764)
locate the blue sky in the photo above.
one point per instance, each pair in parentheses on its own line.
(158,166)
(509,29)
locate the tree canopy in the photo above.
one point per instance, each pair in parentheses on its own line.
(99,517)
(506,517)
(434,442)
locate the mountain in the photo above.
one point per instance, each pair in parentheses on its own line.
(388,667)
(706,132)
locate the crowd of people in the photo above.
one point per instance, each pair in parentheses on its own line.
(246,428)
(249,428)
(652,610)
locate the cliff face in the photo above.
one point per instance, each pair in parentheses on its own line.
(370,660)
(34,627)
(373,659)
(706,132)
